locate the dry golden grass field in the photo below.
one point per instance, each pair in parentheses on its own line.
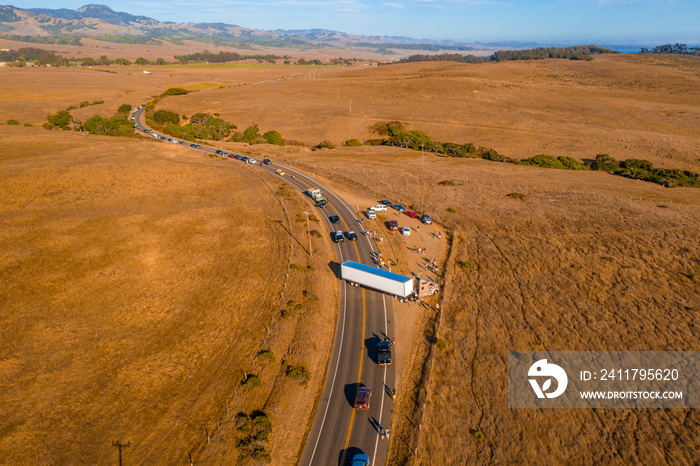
(29,95)
(626,106)
(128,312)
(139,282)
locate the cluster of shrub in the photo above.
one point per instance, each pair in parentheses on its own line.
(118,125)
(13,122)
(210,127)
(578,52)
(84,104)
(59,39)
(104,61)
(681,49)
(38,56)
(254,431)
(223,57)
(631,168)
(645,171)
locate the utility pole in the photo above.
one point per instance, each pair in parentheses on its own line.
(308,232)
(422,156)
(119,445)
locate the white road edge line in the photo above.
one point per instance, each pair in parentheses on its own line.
(337,362)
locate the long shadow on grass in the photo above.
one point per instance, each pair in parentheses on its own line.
(292,235)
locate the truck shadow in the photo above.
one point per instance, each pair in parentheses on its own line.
(335,268)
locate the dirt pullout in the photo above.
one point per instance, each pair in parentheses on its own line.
(140,280)
(568,261)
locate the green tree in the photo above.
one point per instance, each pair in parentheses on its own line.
(12,122)
(103,60)
(141,61)
(62,119)
(124,108)
(251,134)
(605,163)
(166,116)
(117,126)
(273,137)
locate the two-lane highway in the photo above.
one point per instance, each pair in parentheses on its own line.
(364,318)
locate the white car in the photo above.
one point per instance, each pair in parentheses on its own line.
(405,231)
(378,208)
(252,160)
(371,214)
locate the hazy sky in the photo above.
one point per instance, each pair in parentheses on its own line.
(546,21)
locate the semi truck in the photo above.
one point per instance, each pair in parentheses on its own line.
(399,286)
(315,194)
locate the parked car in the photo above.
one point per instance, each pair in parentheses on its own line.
(251,160)
(412,214)
(362,398)
(219,151)
(393,225)
(399,207)
(195,146)
(378,208)
(405,231)
(243,158)
(426,219)
(371,214)
(334,219)
(352,236)
(384,353)
(360,459)
(338,237)
(385,202)
(267,161)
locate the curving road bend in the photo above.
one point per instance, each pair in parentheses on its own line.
(364,317)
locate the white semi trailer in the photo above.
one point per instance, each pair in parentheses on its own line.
(382,280)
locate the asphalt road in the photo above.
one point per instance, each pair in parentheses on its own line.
(364,317)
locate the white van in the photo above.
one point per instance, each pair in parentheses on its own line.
(378,208)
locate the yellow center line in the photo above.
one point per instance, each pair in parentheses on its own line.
(364,324)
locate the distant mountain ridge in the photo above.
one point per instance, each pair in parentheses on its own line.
(100,21)
(102,12)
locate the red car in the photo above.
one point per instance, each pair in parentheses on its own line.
(393,225)
(362,398)
(412,214)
